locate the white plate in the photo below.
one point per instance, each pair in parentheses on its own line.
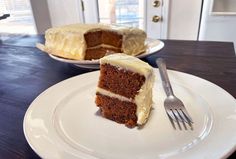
(62,122)
(153,47)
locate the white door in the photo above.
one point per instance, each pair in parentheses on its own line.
(150,15)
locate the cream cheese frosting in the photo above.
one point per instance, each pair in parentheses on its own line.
(129,63)
(143,99)
(69,42)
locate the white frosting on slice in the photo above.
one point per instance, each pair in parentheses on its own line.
(143,99)
(128,63)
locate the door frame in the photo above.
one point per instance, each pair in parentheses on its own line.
(162,25)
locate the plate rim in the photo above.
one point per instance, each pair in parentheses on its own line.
(226,154)
(160,46)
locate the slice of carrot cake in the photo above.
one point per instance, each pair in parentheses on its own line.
(124,92)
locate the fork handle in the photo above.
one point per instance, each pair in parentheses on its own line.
(164,77)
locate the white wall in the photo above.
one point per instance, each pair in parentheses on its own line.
(64,12)
(41,15)
(219,26)
(52,13)
(91,11)
(184,16)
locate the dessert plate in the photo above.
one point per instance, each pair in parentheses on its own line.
(63,122)
(153,46)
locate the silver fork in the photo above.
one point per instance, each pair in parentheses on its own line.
(174,107)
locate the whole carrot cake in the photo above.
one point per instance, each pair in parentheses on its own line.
(93,41)
(124,91)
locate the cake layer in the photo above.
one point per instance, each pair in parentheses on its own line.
(117,110)
(120,81)
(72,41)
(128,63)
(93,38)
(112,38)
(99,52)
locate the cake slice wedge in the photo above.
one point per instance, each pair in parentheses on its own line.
(124,91)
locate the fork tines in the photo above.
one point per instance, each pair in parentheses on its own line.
(180,118)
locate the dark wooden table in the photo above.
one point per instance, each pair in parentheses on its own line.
(25,72)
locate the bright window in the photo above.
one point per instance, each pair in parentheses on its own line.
(124,12)
(21,19)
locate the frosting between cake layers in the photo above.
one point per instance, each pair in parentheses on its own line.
(104,46)
(143,99)
(113,95)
